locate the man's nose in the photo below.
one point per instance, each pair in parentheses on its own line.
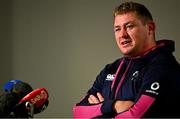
(123,33)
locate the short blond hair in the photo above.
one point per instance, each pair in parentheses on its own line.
(139,9)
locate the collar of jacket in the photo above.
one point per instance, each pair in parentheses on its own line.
(163,46)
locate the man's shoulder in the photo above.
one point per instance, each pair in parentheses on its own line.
(164,62)
(158,55)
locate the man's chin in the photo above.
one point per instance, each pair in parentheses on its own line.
(126,53)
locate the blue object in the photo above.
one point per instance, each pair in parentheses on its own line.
(9,85)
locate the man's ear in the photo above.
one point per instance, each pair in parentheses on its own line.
(151,26)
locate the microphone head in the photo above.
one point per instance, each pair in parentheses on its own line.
(18,86)
(9,85)
(22,89)
(38,99)
(20,100)
(14,91)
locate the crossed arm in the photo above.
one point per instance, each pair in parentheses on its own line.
(119,106)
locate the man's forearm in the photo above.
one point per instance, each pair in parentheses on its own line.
(120,106)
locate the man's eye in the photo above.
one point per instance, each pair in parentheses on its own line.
(129,26)
(117,29)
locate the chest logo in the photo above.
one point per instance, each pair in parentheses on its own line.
(110,77)
(155,86)
(135,75)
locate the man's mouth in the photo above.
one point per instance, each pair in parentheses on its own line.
(125,42)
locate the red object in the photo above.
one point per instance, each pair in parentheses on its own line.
(37,97)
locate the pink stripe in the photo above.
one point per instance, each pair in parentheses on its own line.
(139,108)
(87,111)
(122,79)
(120,65)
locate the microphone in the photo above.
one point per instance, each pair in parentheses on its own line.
(36,101)
(21,89)
(9,85)
(18,86)
(19,100)
(14,91)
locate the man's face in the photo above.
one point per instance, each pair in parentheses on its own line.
(131,34)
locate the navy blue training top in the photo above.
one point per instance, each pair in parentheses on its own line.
(150,80)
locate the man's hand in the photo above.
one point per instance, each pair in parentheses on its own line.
(120,106)
(94,100)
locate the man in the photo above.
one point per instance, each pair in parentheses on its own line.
(143,83)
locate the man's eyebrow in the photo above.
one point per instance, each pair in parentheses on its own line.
(117,26)
(129,22)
